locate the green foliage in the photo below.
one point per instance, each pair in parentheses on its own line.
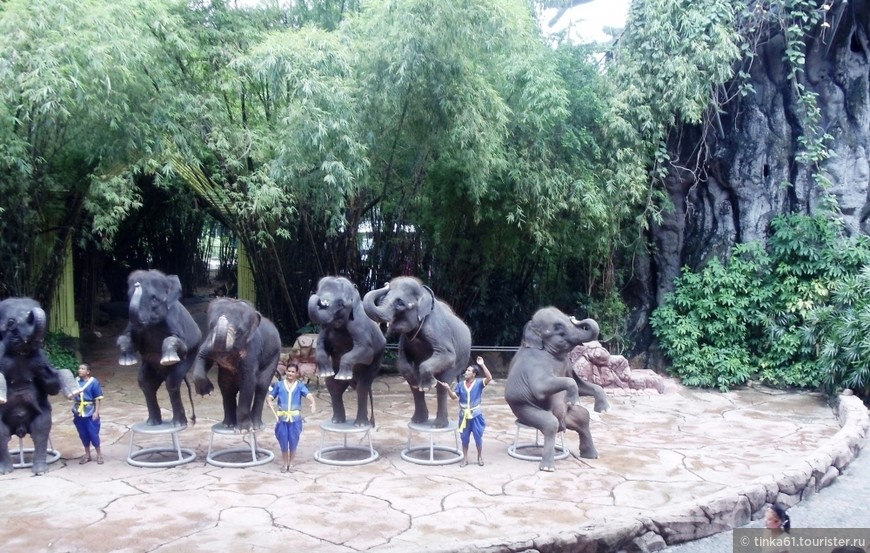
(62,351)
(748,318)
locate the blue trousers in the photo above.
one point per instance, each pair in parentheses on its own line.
(89,430)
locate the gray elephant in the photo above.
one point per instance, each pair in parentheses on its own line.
(434,343)
(165,335)
(246,347)
(540,391)
(27,379)
(349,342)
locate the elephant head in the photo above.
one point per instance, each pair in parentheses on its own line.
(552,330)
(232,324)
(151,293)
(22,326)
(403,303)
(334,303)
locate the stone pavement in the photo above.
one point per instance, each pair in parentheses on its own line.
(673,467)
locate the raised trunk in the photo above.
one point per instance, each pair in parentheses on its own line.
(134,304)
(373,310)
(587,327)
(37,319)
(318,310)
(224,335)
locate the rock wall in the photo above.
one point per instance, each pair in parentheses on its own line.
(746,169)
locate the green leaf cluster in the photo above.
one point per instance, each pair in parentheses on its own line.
(766,314)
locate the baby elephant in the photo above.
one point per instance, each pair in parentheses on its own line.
(538,390)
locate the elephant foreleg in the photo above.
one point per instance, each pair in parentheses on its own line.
(125,344)
(336,390)
(594,390)
(174,350)
(201,365)
(323,358)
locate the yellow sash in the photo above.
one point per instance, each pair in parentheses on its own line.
(82,402)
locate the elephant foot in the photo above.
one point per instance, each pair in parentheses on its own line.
(547,468)
(427,381)
(362,423)
(325,373)
(339,419)
(154,421)
(127,359)
(203,386)
(344,375)
(589,453)
(170,358)
(601,405)
(40,468)
(440,423)
(420,419)
(179,423)
(6,468)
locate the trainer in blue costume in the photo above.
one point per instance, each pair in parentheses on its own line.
(469,392)
(86,412)
(288,392)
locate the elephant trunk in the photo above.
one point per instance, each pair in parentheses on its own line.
(588,328)
(318,309)
(37,320)
(375,312)
(135,300)
(224,335)
(2,389)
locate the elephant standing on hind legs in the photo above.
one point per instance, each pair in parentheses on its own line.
(165,335)
(246,347)
(350,346)
(26,380)
(538,389)
(434,343)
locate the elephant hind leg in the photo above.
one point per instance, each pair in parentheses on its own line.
(577,419)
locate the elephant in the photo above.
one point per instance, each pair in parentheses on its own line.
(349,342)
(434,344)
(165,335)
(27,378)
(540,391)
(246,347)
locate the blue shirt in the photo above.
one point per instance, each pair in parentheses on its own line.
(289,399)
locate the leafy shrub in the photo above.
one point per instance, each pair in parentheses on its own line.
(747,318)
(61,350)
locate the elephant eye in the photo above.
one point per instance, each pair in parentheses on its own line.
(399,302)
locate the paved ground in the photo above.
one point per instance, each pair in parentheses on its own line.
(656,452)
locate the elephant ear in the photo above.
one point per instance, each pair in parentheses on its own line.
(532,337)
(174,289)
(426,304)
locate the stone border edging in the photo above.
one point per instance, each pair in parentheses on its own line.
(716,513)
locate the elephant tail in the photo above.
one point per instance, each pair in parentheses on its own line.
(192,408)
(372,405)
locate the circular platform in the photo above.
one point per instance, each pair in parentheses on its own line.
(519,450)
(182,455)
(25,455)
(446,454)
(345,454)
(256,455)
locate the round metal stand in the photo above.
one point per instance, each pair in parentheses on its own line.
(25,455)
(258,455)
(182,455)
(338,453)
(447,454)
(516,450)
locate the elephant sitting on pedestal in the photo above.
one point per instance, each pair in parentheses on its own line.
(350,346)
(246,347)
(166,337)
(538,389)
(26,380)
(434,343)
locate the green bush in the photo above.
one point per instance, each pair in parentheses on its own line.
(748,318)
(61,350)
